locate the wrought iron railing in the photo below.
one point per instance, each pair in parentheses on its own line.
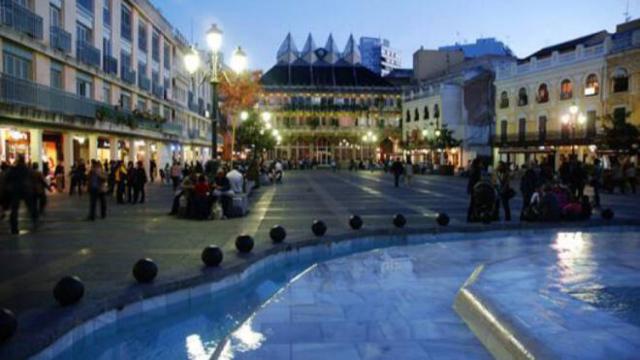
(158,90)
(172,129)
(87,53)
(144,82)
(127,74)
(110,64)
(544,138)
(60,39)
(20,18)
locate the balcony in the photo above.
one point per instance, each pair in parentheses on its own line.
(158,90)
(547,138)
(29,94)
(144,82)
(20,18)
(87,54)
(60,39)
(110,64)
(172,129)
(127,75)
(333,108)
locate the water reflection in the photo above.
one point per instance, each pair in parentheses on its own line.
(244,339)
(574,265)
(196,349)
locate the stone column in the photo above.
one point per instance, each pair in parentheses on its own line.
(35,146)
(93,146)
(113,148)
(67,151)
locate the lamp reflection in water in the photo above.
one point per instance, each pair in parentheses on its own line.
(196,349)
(574,253)
(244,339)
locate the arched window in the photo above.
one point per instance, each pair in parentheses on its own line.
(408,116)
(566,89)
(592,86)
(523,99)
(620,80)
(543,94)
(416,115)
(436,111)
(426,112)
(504,100)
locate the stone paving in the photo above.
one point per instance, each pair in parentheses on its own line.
(103,252)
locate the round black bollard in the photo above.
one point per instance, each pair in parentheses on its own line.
(355,222)
(319,228)
(69,290)
(211,256)
(399,221)
(145,270)
(607,214)
(244,244)
(442,219)
(277,234)
(8,324)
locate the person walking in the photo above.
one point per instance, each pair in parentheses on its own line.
(408,172)
(138,182)
(396,170)
(596,182)
(97,190)
(40,188)
(76,175)
(475,174)
(121,181)
(528,185)
(130,174)
(153,169)
(505,192)
(19,187)
(176,172)
(58,173)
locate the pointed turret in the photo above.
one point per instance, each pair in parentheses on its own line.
(333,54)
(288,52)
(308,52)
(351,52)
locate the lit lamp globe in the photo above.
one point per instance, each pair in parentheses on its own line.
(244,116)
(214,38)
(266,116)
(238,61)
(573,109)
(582,119)
(192,61)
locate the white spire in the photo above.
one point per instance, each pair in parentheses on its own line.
(333,54)
(351,52)
(308,52)
(288,52)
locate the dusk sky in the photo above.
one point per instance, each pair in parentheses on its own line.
(259,26)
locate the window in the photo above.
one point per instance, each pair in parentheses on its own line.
(142,37)
(106,93)
(523,99)
(125,100)
(17,62)
(84,82)
(620,115)
(86,4)
(591,123)
(167,56)
(155,47)
(426,112)
(142,104)
(504,126)
(592,86)
(620,80)
(566,89)
(504,100)
(56,75)
(522,129)
(55,16)
(83,33)
(106,12)
(408,116)
(416,115)
(542,128)
(436,111)
(106,46)
(125,59)
(543,94)
(125,23)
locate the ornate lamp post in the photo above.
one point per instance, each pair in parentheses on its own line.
(192,64)
(368,139)
(573,119)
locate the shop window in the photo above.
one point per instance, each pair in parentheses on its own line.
(523,99)
(504,100)
(543,94)
(566,89)
(592,86)
(426,112)
(620,80)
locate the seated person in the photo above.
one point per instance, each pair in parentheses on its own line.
(222,191)
(201,201)
(550,206)
(534,211)
(184,191)
(572,211)
(236,180)
(587,209)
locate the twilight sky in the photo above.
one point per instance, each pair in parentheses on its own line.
(259,26)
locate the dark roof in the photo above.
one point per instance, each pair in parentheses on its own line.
(323,75)
(588,40)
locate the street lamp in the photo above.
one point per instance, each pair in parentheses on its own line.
(368,139)
(573,119)
(238,60)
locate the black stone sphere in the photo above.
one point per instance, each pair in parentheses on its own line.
(442,219)
(69,290)
(607,214)
(399,221)
(8,324)
(319,228)
(244,244)
(211,256)
(277,234)
(145,270)
(355,222)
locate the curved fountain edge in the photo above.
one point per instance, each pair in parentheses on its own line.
(148,297)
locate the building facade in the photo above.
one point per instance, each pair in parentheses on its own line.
(460,98)
(97,79)
(481,47)
(327,106)
(378,55)
(550,104)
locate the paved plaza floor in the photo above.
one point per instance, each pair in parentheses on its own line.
(103,252)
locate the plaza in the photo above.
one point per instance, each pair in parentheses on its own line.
(103,253)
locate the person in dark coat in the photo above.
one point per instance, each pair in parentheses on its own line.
(130,175)
(528,185)
(475,174)
(97,190)
(19,187)
(77,176)
(139,180)
(396,169)
(40,188)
